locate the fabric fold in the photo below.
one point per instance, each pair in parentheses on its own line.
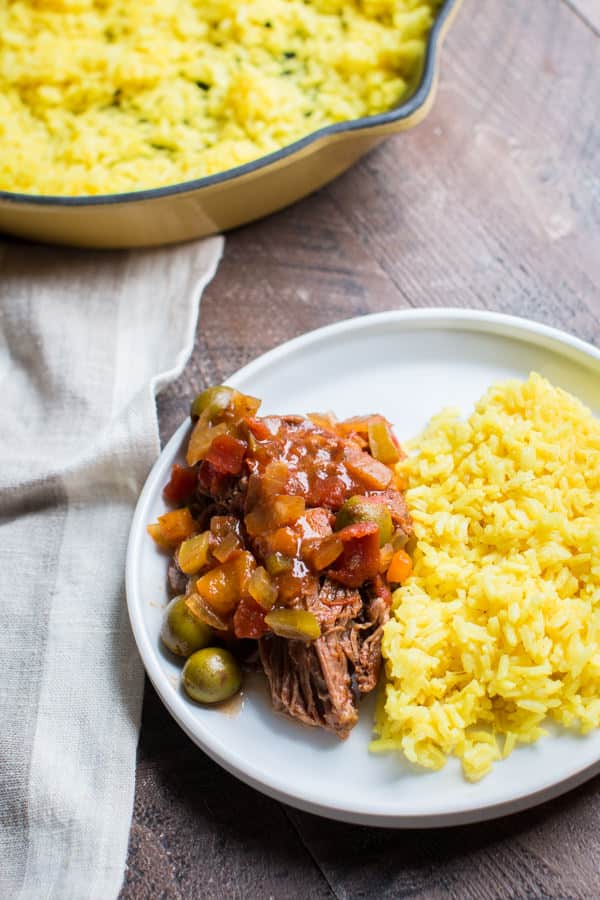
(86,339)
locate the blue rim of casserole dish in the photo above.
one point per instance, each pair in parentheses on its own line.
(399,113)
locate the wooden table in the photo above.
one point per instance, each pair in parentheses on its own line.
(493,203)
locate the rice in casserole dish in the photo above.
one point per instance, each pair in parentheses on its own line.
(107,96)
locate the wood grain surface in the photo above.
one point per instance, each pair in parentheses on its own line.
(494,203)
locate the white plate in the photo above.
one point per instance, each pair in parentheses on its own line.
(406,365)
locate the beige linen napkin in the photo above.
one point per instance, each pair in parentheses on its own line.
(85,341)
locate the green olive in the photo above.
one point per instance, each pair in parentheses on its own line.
(366,509)
(211,675)
(214,400)
(181,632)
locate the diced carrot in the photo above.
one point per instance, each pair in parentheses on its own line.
(219,587)
(224,586)
(226,454)
(155,532)
(181,484)
(177,524)
(400,567)
(173,527)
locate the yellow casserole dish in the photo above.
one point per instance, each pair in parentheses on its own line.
(193,209)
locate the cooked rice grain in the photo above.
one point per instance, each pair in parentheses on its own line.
(499,628)
(103,96)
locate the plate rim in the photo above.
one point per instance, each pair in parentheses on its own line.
(452,318)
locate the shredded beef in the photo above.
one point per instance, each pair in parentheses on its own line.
(313,682)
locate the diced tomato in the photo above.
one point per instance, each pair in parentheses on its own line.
(359,560)
(226,455)
(373,474)
(258,428)
(330,492)
(396,504)
(357,531)
(316,523)
(212,482)
(181,484)
(249,619)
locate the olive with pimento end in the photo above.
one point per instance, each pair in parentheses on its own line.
(366,509)
(211,675)
(181,632)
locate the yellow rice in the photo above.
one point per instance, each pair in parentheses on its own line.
(498,629)
(102,96)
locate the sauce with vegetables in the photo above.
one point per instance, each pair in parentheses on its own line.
(286,526)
